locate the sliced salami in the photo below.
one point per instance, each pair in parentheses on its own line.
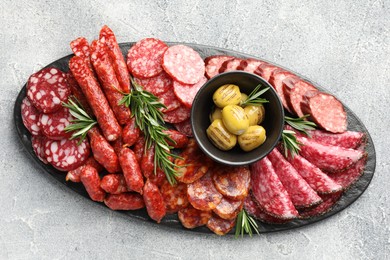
(178,115)
(325,110)
(294,89)
(192,218)
(144,58)
(265,70)
(232,182)
(186,93)
(203,195)
(175,196)
(169,100)
(156,85)
(329,200)
(184,127)
(301,194)
(276,80)
(53,125)
(270,192)
(114,183)
(91,181)
(183,64)
(154,202)
(124,201)
(228,209)
(74,175)
(220,226)
(230,65)
(214,63)
(30,117)
(37,143)
(47,89)
(249,65)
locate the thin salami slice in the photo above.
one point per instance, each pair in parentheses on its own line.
(294,89)
(130,133)
(124,201)
(144,58)
(154,202)
(175,196)
(192,218)
(232,182)
(249,65)
(301,194)
(66,155)
(214,63)
(184,127)
(169,100)
(114,183)
(230,65)
(228,209)
(30,117)
(265,70)
(91,181)
(53,125)
(329,200)
(318,180)
(47,89)
(37,143)
(220,226)
(186,93)
(276,80)
(326,157)
(325,110)
(183,64)
(74,175)
(178,115)
(156,85)
(270,192)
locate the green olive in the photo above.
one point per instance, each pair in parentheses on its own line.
(220,136)
(216,114)
(253,137)
(228,94)
(235,119)
(255,114)
(243,97)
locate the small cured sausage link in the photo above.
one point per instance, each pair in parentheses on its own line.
(130,133)
(131,170)
(139,148)
(124,201)
(147,163)
(103,151)
(220,226)
(114,183)
(154,202)
(91,181)
(80,48)
(117,145)
(175,196)
(30,117)
(96,99)
(118,62)
(110,85)
(78,93)
(180,140)
(192,218)
(158,178)
(74,175)
(228,209)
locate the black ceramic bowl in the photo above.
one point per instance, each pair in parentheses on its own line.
(203,104)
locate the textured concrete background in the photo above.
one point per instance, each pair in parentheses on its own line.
(345,47)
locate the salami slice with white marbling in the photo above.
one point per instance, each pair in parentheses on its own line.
(156,85)
(53,125)
(37,143)
(186,93)
(30,117)
(169,100)
(214,63)
(177,115)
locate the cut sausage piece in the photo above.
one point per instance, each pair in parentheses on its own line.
(184,127)
(114,183)
(179,140)
(175,196)
(276,80)
(186,93)
(74,175)
(249,65)
(232,182)
(325,110)
(220,226)
(228,209)
(183,64)
(318,180)
(91,181)
(53,125)
(124,201)
(265,70)
(329,200)
(130,133)
(131,170)
(66,155)
(192,218)
(30,117)
(301,194)
(96,99)
(47,89)
(270,192)
(156,85)
(294,89)
(154,202)
(178,115)
(169,100)
(37,143)
(326,157)
(144,58)
(214,63)
(230,65)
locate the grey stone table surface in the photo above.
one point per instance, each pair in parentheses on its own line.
(344,46)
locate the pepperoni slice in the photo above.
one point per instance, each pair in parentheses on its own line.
(144,59)
(228,209)
(230,65)
(30,117)
(154,202)
(192,218)
(175,196)
(220,226)
(213,63)
(186,93)
(53,125)
(47,89)
(156,85)
(178,115)
(38,147)
(170,101)
(183,64)
(124,201)
(232,182)
(184,127)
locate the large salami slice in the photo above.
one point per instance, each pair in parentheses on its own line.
(228,209)
(214,63)
(53,125)
(249,65)
(47,89)
(169,100)
(230,65)
(154,202)
(178,115)
(184,127)
(220,226)
(192,218)
(270,192)
(294,89)
(175,196)
(156,85)
(144,58)
(329,200)
(183,64)
(37,143)
(301,194)
(124,201)
(276,80)
(186,93)
(30,117)
(265,70)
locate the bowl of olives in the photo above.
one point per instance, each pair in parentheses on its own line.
(237,118)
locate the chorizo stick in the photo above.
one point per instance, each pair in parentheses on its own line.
(124,201)
(91,181)
(131,170)
(80,48)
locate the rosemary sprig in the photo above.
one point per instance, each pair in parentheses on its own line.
(253,98)
(83,122)
(290,143)
(244,224)
(300,124)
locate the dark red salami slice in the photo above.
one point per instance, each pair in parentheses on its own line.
(318,180)
(325,110)
(124,201)
(276,80)
(326,157)
(156,85)
(130,133)
(192,218)
(170,101)
(30,117)
(74,175)
(232,182)
(230,65)
(37,143)
(114,183)
(220,226)
(301,194)
(144,59)
(47,89)
(175,196)
(154,202)
(269,191)
(53,125)
(184,127)
(91,181)
(249,65)
(329,200)
(186,93)
(294,89)
(178,115)
(183,64)
(66,155)
(265,70)
(228,209)
(203,195)
(213,63)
